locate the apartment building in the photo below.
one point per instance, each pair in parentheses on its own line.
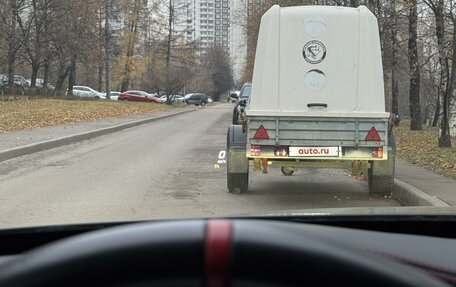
(212,23)
(207,22)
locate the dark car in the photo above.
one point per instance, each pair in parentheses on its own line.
(245,92)
(137,96)
(197,99)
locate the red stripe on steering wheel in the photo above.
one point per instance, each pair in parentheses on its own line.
(217,252)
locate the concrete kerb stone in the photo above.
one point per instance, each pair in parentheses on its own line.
(409,195)
(58,142)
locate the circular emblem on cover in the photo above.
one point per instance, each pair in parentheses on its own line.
(314,52)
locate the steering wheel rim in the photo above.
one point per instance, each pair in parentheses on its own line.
(205,253)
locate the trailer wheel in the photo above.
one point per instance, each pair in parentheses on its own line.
(237,161)
(287,171)
(238,182)
(380,175)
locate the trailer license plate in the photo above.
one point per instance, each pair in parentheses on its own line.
(312,151)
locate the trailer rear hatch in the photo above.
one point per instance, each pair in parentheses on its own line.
(323,137)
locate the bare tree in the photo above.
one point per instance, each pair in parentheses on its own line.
(446,87)
(394,66)
(12,43)
(220,69)
(414,66)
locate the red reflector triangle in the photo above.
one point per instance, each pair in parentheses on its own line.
(261,133)
(373,135)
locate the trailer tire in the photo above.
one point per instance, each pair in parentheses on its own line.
(238,182)
(381,174)
(237,162)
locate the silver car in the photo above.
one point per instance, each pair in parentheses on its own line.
(87,92)
(112,95)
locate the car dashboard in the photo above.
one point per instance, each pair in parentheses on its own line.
(425,243)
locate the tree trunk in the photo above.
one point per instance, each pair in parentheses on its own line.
(11,65)
(100,62)
(47,54)
(12,46)
(445,139)
(170,33)
(394,81)
(371,6)
(108,50)
(100,76)
(72,75)
(435,121)
(444,136)
(46,67)
(130,48)
(34,75)
(63,73)
(414,91)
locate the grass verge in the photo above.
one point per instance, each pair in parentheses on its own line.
(28,114)
(421,148)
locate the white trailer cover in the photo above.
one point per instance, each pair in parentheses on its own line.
(318,61)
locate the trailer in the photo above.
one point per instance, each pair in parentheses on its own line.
(317,98)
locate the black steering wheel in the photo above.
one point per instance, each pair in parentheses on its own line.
(205,253)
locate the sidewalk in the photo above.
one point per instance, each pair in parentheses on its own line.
(435,185)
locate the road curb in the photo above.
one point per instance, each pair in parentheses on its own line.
(58,142)
(409,195)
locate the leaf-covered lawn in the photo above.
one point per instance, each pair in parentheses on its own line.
(421,148)
(27,114)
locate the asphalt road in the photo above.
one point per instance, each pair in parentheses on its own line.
(163,169)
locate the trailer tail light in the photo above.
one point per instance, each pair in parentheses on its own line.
(377,152)
(255,150)
(373,135)
(281,152)
(261,133)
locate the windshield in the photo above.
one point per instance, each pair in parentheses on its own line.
(245,92)
(348,107)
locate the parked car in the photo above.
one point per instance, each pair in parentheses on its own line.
(245,92)
(176,99)
(233,96)
(86,92)
(51,87)
(3,79)
(138,96)
(40,84)
(197,99)
(19,82)
(112,95)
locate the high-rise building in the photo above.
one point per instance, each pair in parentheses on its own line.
(210,23)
